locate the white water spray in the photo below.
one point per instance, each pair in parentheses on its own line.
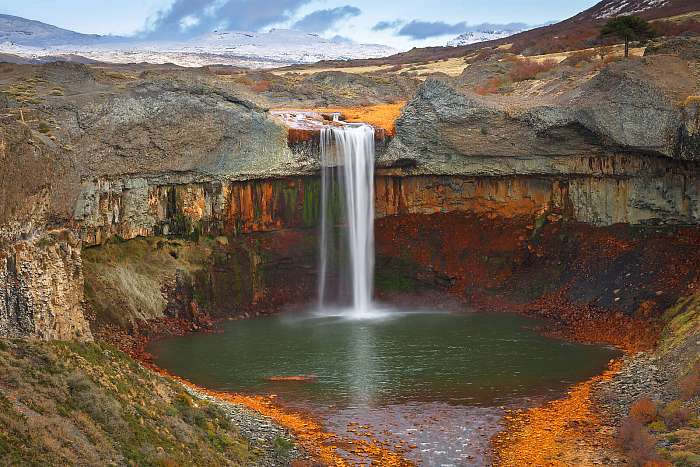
(347,169)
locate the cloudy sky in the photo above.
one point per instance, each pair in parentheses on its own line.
(400,23)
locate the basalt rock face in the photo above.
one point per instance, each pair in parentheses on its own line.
(671,198)
(92,155)
(41,277)
(41,289)
(594,144)
(131,208)
(449,130)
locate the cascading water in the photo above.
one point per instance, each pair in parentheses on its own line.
(347,173)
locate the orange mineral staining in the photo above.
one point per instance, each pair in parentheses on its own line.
(325,446)
(563,432)
(296,379)
(379,115)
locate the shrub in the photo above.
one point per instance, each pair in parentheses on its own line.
(526,69)
(644,410)
(482,55)
(685,458)
(44,127)
(689,386)
(675,415)
(282,446)
(490,87)
(260,86)
(637,442)
(92,400)
(658,426)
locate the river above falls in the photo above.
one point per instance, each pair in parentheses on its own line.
(435,381)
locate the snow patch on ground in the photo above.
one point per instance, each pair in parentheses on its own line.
(474,37)
(628,7)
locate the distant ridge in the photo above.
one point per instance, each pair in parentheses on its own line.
(22,31)
(23,40)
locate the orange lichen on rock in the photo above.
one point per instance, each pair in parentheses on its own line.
(563,432)
(379,116)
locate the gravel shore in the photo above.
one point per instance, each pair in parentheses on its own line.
(276,445)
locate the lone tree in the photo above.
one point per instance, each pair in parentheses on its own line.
(629,28)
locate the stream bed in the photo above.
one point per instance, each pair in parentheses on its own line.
(433,384)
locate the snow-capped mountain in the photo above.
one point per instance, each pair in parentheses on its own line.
(37,41)
(26,32)
(472,37)
(283,45)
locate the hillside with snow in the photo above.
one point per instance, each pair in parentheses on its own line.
(474,37)
(25,32)
(38,42)
(646,8)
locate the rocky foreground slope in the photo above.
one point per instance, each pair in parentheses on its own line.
(88,404)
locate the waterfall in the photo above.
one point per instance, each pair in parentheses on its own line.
(347,228)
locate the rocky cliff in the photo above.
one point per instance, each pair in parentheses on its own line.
(116,154)
(41,288)
(97,154)
(595,138)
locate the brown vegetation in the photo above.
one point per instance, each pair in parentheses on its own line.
(260,86)
(672,28)
(491,86)
(644,410)
(689,385)
(637,443)
(525,69)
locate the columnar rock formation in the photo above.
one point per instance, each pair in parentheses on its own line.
(41,288)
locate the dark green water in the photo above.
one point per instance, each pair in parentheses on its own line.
(460,359)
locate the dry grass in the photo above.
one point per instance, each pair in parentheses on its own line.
(311,71)
(693,15)
(420,70)
(89,404)
(614,50)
